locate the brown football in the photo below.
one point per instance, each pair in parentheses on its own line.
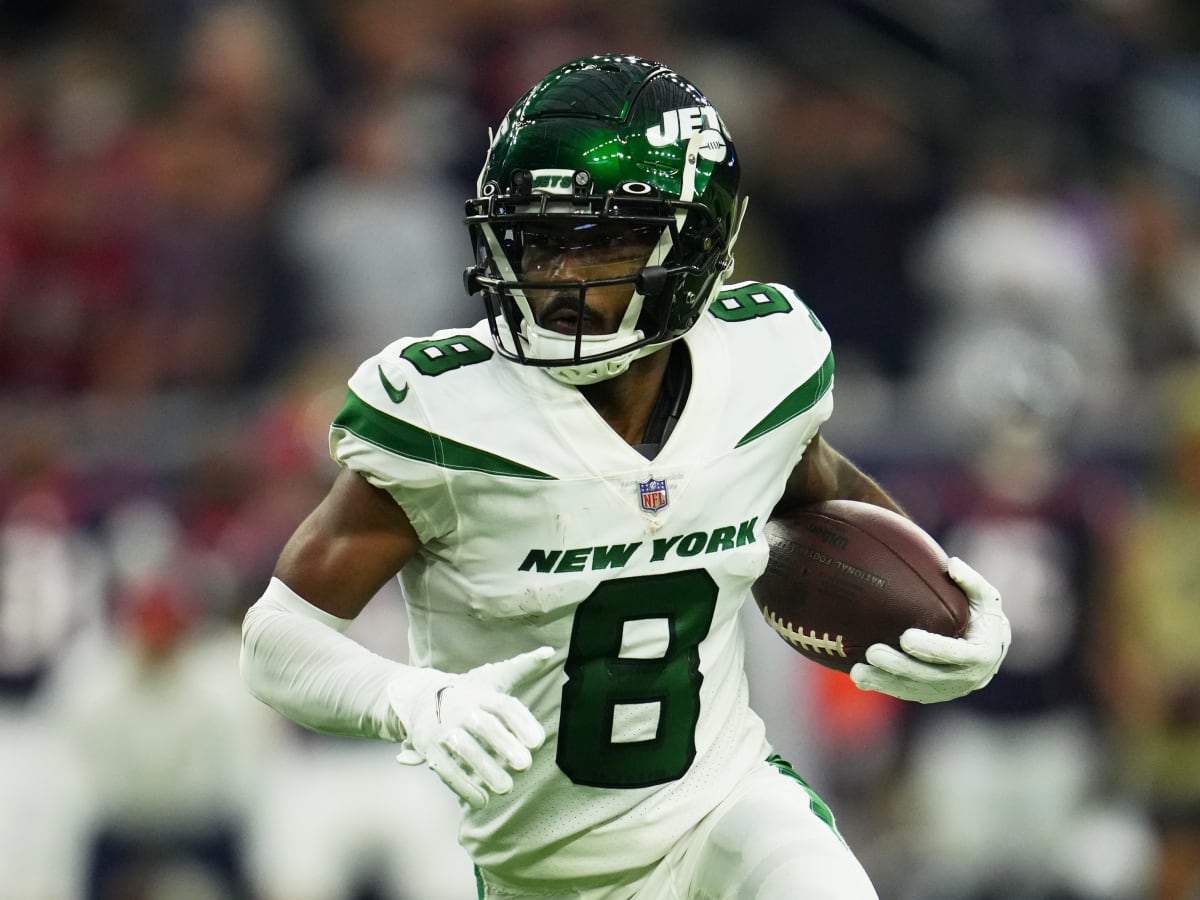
(843,575)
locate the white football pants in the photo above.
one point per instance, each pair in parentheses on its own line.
(766,841)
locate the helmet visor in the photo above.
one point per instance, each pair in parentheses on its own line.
(583,251)
(562,256)
(579,278)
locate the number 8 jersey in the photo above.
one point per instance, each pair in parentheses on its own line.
(541,526)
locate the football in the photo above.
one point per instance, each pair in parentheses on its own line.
(843,575)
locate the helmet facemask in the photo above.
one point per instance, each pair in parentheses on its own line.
(512,235)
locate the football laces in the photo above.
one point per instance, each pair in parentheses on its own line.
(806,640)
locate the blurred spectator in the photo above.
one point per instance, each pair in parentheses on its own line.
(1148,664)
(1007,794)
(1006,266)
(170,752)
(1157,274)
(53,578)
(412,56)
(229,307)
(241,62)
(158,744)
(379,232)
(72,223)
(844,186)
(383,46)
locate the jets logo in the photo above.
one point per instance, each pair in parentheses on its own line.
(678,126)
(553,181)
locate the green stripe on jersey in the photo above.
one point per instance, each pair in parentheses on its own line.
(798,401)
(819,807)
(407,440)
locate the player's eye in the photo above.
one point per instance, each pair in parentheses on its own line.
(587,244)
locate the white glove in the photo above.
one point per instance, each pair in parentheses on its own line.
(934,667)
(468,727)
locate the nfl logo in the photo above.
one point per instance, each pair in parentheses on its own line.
(654,494)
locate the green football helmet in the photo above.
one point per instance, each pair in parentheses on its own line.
(602,145)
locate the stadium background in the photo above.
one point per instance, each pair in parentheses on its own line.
(209,212)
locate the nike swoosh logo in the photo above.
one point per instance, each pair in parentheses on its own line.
(397,395)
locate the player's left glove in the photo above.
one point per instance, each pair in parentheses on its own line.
(469,728)
(934,667)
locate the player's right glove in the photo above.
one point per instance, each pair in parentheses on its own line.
(469,728)
(934,667)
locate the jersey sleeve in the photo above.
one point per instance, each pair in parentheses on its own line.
(781,345)
(382,434)
(814,373)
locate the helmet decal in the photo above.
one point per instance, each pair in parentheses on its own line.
(553,181)
(680,124)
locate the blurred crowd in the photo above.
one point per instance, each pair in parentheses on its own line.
(211,211)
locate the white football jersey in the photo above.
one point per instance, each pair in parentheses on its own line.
(541,526)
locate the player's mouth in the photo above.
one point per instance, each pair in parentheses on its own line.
(561,314)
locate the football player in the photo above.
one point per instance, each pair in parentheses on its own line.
(573,494)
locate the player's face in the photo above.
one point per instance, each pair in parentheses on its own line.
(589,252)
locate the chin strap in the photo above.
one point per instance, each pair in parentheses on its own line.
(591,373)
(549,344)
